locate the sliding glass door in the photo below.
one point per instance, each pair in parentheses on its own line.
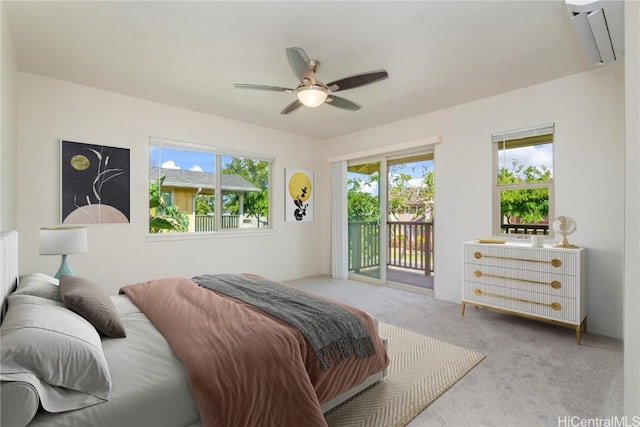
(366,205)
(390,205)
(382,214)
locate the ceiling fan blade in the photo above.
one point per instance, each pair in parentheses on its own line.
(340,102)
(291,107)
(299,62)
(358,80)
(262,87)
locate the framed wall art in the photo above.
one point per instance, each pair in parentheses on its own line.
(95,184)
(298,195)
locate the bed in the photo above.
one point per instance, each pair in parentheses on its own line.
(155,374)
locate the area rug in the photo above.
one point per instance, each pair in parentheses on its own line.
(421,369)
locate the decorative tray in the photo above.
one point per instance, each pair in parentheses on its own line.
(497,241)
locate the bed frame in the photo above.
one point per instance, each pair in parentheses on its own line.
(9,279)
(327,406)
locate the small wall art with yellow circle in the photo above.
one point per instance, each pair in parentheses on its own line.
(298,195)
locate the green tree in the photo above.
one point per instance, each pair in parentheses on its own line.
(255,203)
(361,205)
(427,193)
(417,200)
(205,204)
(529,204)
(398,194)
(163,217)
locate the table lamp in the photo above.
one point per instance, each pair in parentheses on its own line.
(63,241)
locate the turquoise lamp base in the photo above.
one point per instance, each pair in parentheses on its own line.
(64,269)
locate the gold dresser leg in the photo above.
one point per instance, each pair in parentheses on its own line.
(581,327)
(463,308)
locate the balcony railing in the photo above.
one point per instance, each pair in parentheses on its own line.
(525,228)
(207,222)
(409,245)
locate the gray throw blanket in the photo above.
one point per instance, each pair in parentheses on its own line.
(333,331)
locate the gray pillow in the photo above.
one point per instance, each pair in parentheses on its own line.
(56,351)
(19,401)
(40,285)
(89,301)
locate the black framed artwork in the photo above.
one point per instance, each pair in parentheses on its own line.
(95,183)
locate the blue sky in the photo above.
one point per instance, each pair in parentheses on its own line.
(534,155)
(414,169)
(204,162)
(182,159)
(200,161)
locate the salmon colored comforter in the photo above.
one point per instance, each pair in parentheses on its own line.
(246,367)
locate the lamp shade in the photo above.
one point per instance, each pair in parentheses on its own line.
(63,240)
(311,96)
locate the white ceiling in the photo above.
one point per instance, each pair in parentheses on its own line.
(189,54)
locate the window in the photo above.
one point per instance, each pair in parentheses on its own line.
(197,188)
(411,188)
(523,196)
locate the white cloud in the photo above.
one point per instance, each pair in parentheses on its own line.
(540,155)
(411,183)
(170,164)
(371,188)
(195,168)
(415,182)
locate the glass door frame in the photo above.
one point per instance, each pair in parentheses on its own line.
(382,219)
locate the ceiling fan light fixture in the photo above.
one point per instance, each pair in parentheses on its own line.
(311,92)
(312,95)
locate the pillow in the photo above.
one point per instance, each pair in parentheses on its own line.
(56,351)
(89,301)
(23,400)
(40,285)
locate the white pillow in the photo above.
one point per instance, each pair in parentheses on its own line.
(40,285)
(20,402)
(55,350)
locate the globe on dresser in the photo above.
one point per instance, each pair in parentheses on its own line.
(565,226)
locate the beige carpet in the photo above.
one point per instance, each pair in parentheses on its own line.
(421,369)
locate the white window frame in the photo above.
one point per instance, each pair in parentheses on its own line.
(496,139)
(217,151)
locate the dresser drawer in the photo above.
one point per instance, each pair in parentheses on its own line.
(545,283)
(531,303)
(527,280)
(522,258)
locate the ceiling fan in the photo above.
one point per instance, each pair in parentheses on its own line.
(312,92)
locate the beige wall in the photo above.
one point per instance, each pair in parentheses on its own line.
(49,110)
(588,111)
(632,211)
(183,198)
(8,135)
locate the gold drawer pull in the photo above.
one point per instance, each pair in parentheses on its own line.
(554,305)
(554,284)
(554,262)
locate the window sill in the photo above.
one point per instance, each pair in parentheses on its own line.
(163,237)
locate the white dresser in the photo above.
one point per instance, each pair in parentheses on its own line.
(541,283)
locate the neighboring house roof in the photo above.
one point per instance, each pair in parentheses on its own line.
(193,179)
